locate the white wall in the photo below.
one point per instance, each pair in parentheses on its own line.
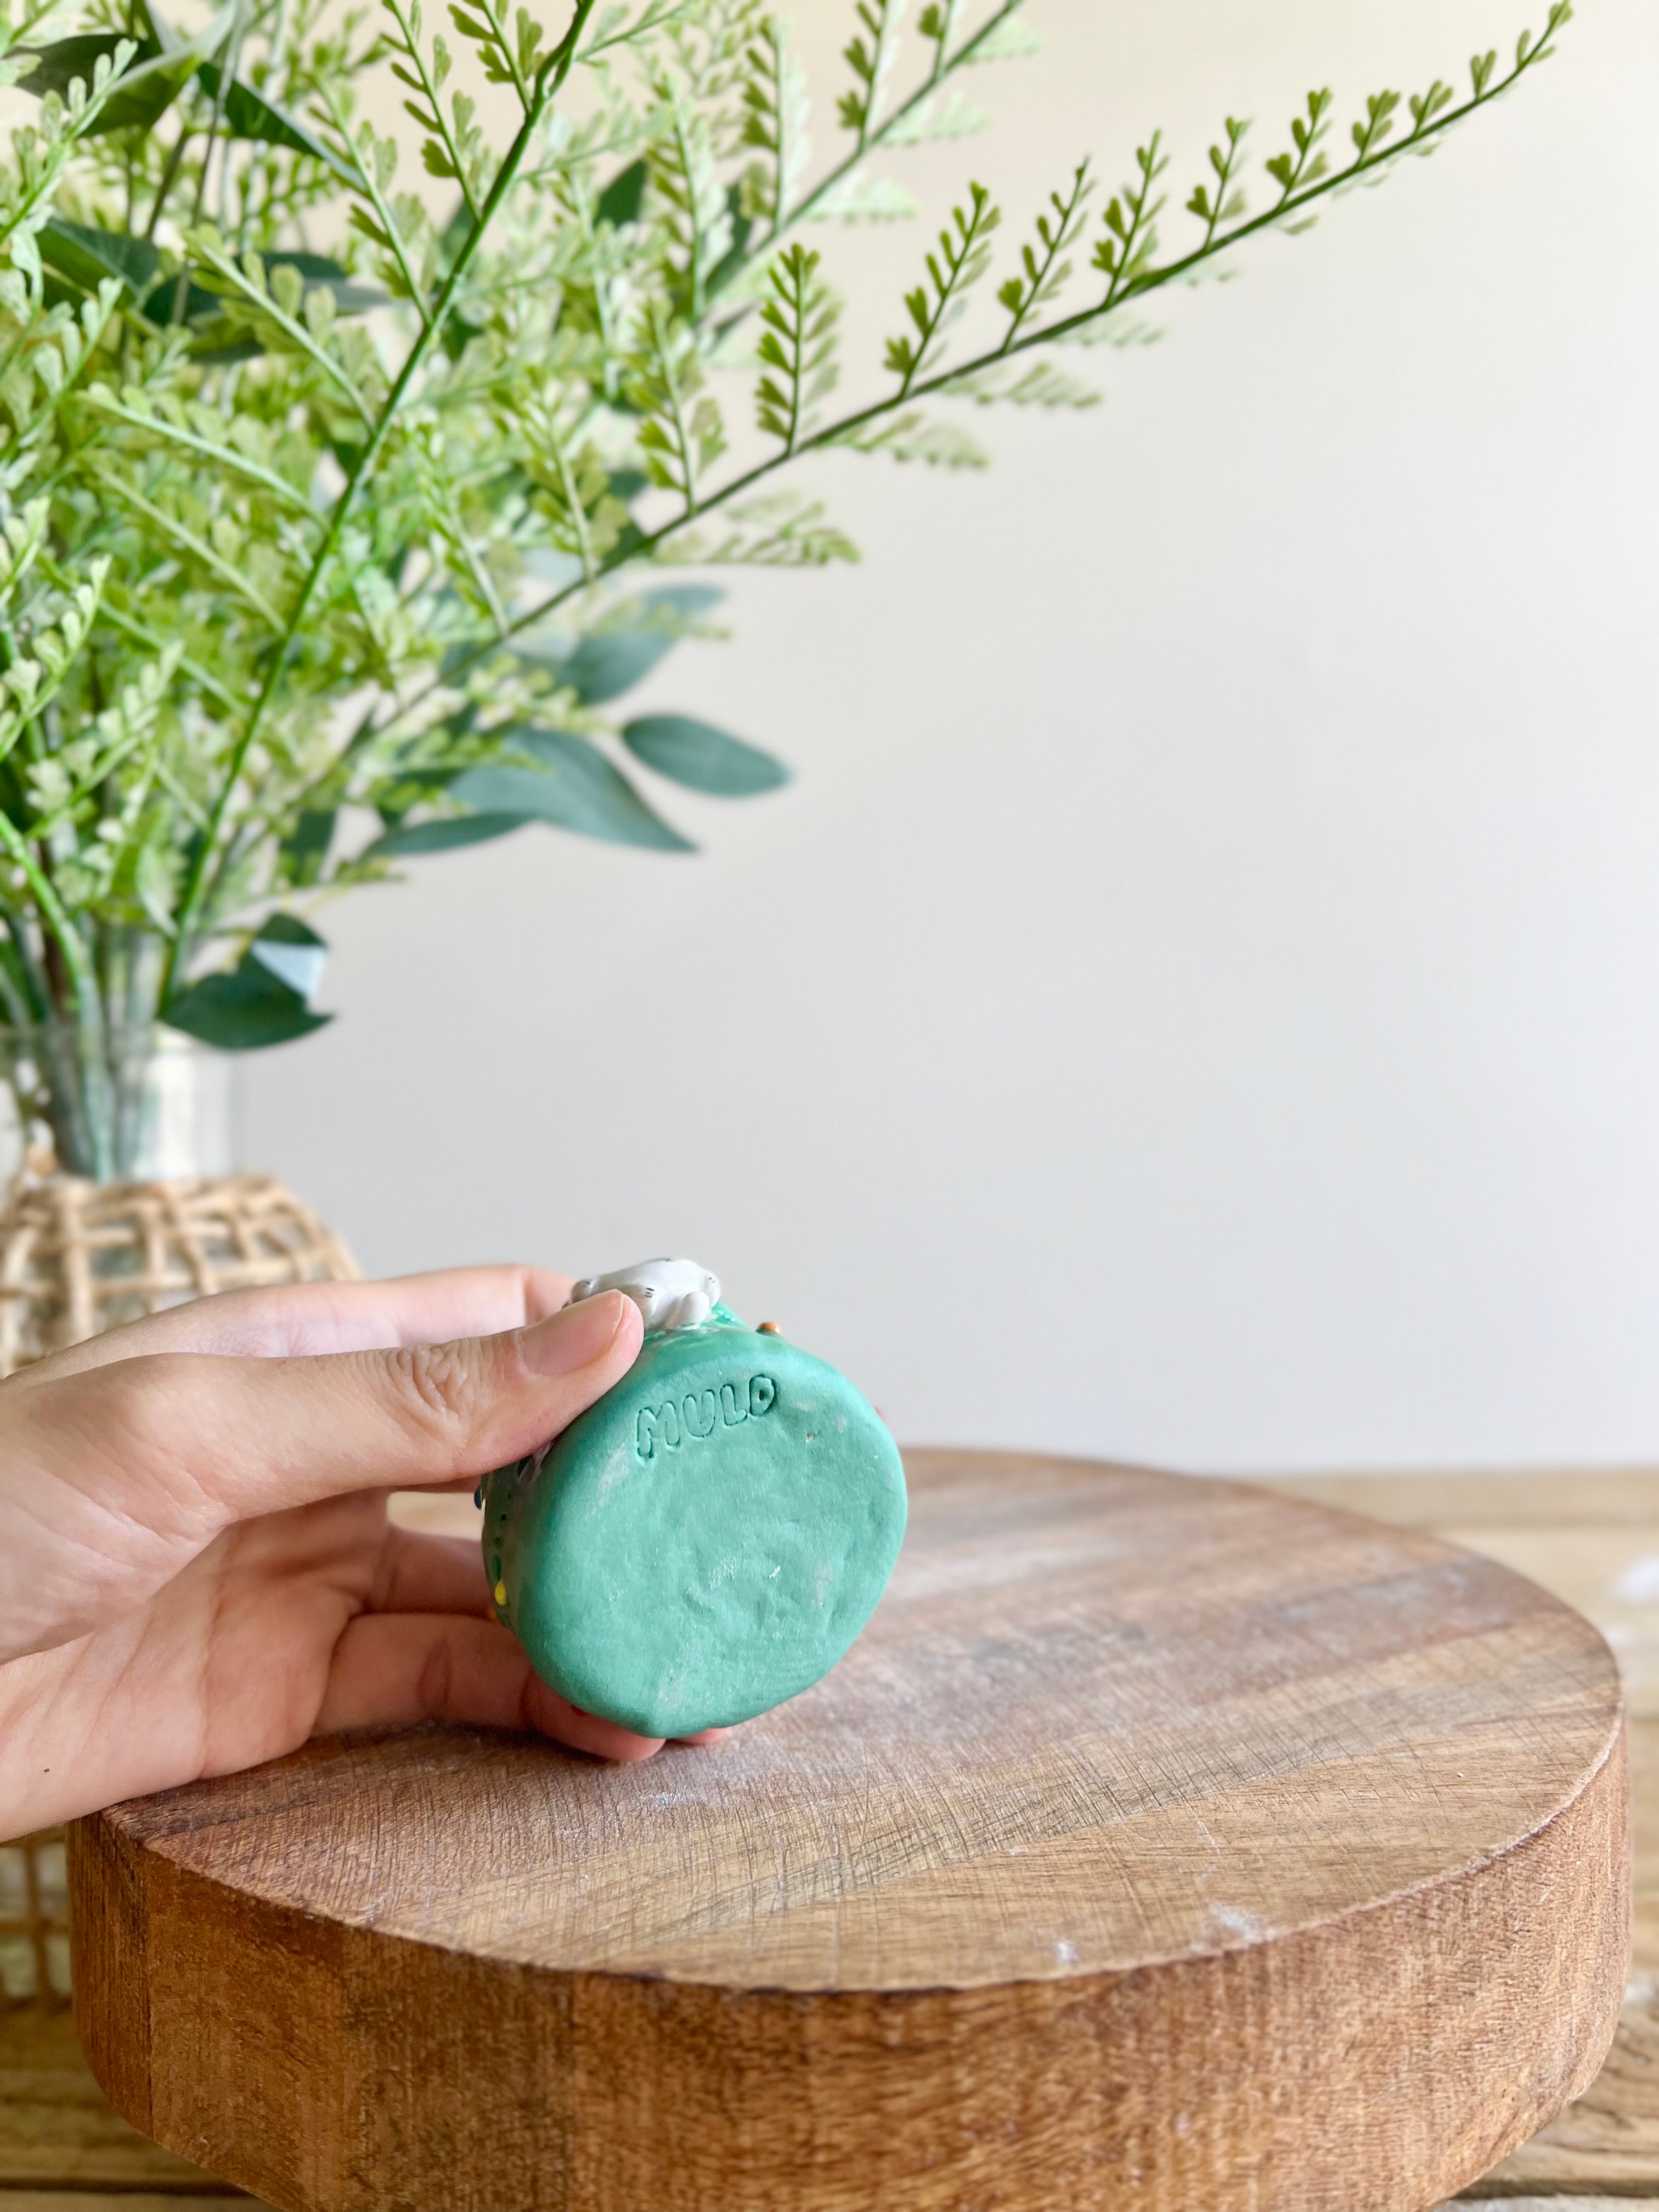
(1200,1000)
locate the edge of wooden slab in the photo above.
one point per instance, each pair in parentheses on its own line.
(329,2069)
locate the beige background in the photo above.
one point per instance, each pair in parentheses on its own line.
(1200,998)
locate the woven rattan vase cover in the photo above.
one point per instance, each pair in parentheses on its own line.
(79,1257)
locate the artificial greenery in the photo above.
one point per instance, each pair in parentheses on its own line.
(315,559)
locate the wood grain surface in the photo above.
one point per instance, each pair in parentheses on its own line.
(57,2132)
(100,2200)
(1163,1845)
(1592,1536)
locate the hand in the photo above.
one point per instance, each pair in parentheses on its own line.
(196,1571)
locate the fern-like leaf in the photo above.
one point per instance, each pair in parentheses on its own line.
(870,54)
(1044,269)
(775,115)
(963,256)
(1221,200)
(1131,221)
(796,345)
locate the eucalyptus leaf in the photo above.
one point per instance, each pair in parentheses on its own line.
(249,114)
(458,333)
(412,837)
(456,233)
(87,256)
(604,666)
(735,258)
(243,1011)
(41,69)
(702,757)
(149,90)
(622,199)
(200,305)
(152,81)
(291,950)
(608,662)
(686,599)
(288,929)
(304,850)
(574,786)
(263,1000)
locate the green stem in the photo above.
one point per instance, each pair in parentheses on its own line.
(1063,234)
(958,256)
(548,82)
(169,174)
(377,199)
(429,91)
(947,24)
(23,970)
(573,500)
(942,379)
(826,184)
(1141,220)
(881,48)
(1224,180)
(676,415)
(83,983)
(504,47)
(776,36)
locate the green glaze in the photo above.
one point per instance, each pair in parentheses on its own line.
(705,1541)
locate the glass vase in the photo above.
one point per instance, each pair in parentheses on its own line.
(114,1104)
(122,1198)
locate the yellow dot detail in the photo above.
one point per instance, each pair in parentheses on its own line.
(500,1593)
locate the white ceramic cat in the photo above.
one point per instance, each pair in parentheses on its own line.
(670,1293)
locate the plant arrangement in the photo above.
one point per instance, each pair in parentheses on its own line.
(337,513)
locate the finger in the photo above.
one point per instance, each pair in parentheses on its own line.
(281,1433)
(445,1574)
(394,1669)
(549,1714)
(430,1574)
(115,1479)
(258,1435)
(295,1319)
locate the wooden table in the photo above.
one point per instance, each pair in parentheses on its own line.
(1588,1536)
(1591,1535)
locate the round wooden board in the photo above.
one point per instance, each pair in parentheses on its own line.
(1165,1845)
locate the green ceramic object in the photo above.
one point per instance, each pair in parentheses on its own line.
(705,1541)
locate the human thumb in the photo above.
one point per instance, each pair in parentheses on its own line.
(135,1466)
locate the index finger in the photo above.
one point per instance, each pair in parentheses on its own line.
(296,1320)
